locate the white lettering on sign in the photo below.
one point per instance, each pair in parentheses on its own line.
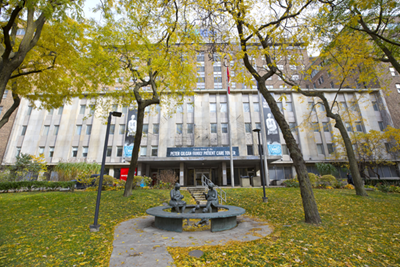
(174,154)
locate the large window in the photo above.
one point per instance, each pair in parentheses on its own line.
(189,107)
(331,148)
(224,128)
(29,110)
(359,127)
(82,110)
(145,128)
(247,127)
(381,125)
(279,173)
(325,125)
(292,126)
(143,151)
(320,149)
(223,107)
(246,107)
(213,107)
(213,128)
(51,151)
(41,150)
(78,129)
(258,125)
(155,129)
(109,151)
(23,130)
(119,151)
(122,129)
(88,129)
(256,107)
(112,128)
(18,151)
(60,110)
(316,126)
(190,128)
(285,150)
(289,107)
(46,130)
(154,151)
(56,128)
(179,128)
(74,151)
(250,150)
(85,151)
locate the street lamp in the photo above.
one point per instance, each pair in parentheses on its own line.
(95,226)
(265,199)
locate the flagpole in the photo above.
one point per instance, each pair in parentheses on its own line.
(229,127)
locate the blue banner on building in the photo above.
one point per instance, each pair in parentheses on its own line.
(130,132)
(272,131)
(201,151)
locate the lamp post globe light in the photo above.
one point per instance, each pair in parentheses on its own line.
(260,152)
(95,226)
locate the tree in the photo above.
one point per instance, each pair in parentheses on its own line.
(267,27)
(47,54)
(377,20)
(152,45)
(26,164)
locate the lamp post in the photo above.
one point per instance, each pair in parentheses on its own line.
(265,199)
(95,226)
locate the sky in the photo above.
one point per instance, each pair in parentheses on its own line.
(89,5)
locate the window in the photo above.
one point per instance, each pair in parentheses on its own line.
(224,127)
(201,79)
(82,110)
(213,128)
(189,107)
(381,125)
(331,149)
(179,128)
(201,69)
(256,107)
(46,130)
(398,87)
(23,130)
(321,107)
(280,67)
(359,127)
(60,110)
(91,112)
(145,129)
(143,151)
(314,85)
(112,128)
(200,57)
(18,151)
(88,129)
(29,111)
(320,148)
(250,150)
(325,125)
(280,106)
(216,57)
(190,128)
(179,109)
(124,110)
(217,68)
(392,71)
(292,67)
(5,94)
(295,77)
(122,129)
(285,150)
(375,106)
(332,85)
(289,106)
(213,107)
(258,125)
(51,111)
(154,151)
(74,151)
(155,129)
(84,151)
(246,107)
(292,126)
(321,80)
(119,151)
(247,127)
(56,128)
(109,151)
(316,127)
(223,107)
(41,150)
(51,151)
(78,129)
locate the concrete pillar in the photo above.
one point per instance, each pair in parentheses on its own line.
(224,179)
(181,173)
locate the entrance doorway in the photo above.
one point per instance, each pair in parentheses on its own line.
(199,174)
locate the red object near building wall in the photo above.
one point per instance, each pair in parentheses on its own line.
(124,173)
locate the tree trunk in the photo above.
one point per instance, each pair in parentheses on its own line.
(358,184)
(135,151)
(309,204)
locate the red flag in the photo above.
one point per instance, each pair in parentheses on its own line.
(229,77)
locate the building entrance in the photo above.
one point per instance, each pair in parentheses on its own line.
(199,173)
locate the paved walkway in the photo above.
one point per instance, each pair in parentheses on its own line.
(138,243)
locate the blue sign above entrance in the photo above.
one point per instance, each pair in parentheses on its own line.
(201,151)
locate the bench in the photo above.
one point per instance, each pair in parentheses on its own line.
(172,221)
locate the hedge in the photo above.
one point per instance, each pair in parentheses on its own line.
(6,186)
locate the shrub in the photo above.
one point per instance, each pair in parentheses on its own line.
(81,171)
(330,179)
(291,183)
(326,168)
(329,187)
(313,178)
(29,185)
(168,177)
(348,186)
(107,181)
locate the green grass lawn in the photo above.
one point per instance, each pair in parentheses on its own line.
(52,229)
